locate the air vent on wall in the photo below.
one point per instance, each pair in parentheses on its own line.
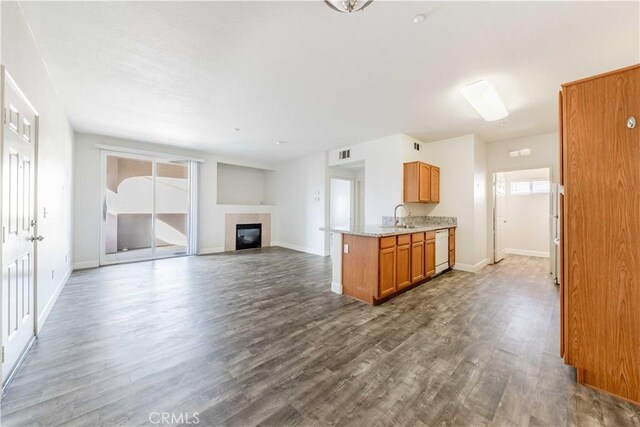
(416,146)
(344,154)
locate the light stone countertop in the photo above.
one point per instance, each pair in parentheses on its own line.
(379,231)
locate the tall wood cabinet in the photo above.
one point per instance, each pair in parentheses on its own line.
(600,230)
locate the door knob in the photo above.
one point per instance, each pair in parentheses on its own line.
(631,122)
(34,238)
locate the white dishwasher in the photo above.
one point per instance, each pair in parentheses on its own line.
(442,250)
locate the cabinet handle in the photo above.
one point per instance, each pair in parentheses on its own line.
(631,122)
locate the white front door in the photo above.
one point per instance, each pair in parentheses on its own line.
(18,224)
(499,216)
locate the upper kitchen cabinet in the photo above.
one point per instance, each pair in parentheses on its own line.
(421,183)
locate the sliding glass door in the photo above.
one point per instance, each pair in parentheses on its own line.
(146,208)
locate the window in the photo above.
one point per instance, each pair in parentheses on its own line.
(528,187)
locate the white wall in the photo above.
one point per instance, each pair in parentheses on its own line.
(22,59)
(527,228)
(462,163)
(544,154)
(301,187)
(87,203)
(240,185)
(382,159)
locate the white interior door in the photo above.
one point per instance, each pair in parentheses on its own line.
(341,202)
(499,216)
(18,225)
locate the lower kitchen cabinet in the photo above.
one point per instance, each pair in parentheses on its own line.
(387,283)
(375,269)
(452,247)
(403,261)
(430,257)
(417,257)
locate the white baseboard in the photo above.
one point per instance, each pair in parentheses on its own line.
(300,248)
(336,287)
(539,254)
(214,250)
(47,308)
(86,264)
(471,268)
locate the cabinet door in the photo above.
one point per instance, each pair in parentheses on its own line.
(601,230)
(411,183)
(430,257)
(435,184)
(425,182)
(417,262)
(387,282)
(403,266)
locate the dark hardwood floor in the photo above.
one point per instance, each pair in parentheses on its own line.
(257,338)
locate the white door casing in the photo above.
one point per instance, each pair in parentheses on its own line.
(19,145)
(499,216)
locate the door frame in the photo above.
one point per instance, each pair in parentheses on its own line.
(493,204)
(192,174)
(4,77)
(494,219)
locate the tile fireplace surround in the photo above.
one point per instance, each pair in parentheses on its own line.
(233,219)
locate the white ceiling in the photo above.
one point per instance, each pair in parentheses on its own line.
(187,74)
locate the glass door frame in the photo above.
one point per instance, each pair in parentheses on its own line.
(152,252)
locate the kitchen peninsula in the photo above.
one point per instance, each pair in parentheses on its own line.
(376,263)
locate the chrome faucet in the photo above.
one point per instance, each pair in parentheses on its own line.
(396,220)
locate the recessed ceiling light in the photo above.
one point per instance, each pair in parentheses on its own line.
(485,100)
(419,18)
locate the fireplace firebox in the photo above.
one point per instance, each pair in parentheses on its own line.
(248,236)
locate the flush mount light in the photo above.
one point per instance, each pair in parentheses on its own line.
(419,18)
(348,6)
(485,100)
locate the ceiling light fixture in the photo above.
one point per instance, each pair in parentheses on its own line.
(419,18)
(485,100)
(348,6)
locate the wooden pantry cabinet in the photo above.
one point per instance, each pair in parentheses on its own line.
(421,183)
(600,230)
(375,269)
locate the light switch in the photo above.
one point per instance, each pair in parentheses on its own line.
(346,249)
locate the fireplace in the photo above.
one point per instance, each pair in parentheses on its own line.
(248,236)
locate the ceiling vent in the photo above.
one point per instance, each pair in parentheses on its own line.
(342,155)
